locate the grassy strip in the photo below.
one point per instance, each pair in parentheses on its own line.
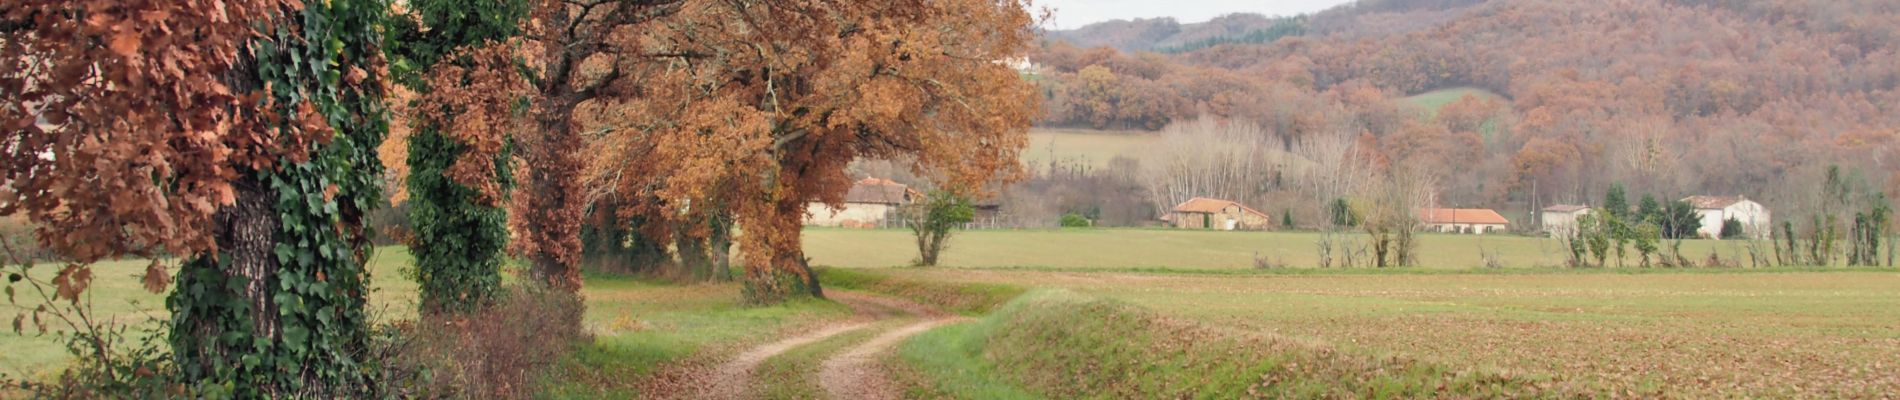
(962,298)
(794,374)
(1427,271)
(1063,345)
(640,325)
(947,363)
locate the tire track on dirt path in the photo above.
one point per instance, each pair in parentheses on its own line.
(734,379)
(855,373)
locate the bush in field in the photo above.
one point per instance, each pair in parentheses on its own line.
(497,352)
(1073,220)
(932,219)
(1731,229)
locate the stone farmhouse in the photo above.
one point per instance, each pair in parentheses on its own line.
(1217,214)
(871,203)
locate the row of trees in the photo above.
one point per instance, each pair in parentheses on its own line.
(241,137)
(1663,96)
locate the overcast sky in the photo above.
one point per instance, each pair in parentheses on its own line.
(1071,14)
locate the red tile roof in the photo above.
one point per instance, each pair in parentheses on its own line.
(1713,202)
(1566,208)
(878,191)
(1212,206)
(1482,216)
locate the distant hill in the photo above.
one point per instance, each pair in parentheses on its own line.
(1667,97)
(1168,36)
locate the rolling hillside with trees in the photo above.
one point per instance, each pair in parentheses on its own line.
(1667,97)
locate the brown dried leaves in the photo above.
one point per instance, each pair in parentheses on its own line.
(471,100)
(125,131)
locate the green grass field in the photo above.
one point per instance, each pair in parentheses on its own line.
(1720,334)
(1111,249)
(1433,100)
(1175,312)
(116,292)
(637,324)
(1086,147)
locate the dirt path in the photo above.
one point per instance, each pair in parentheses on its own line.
(855,374)
(733,379)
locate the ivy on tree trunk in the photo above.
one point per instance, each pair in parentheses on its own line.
(278,309)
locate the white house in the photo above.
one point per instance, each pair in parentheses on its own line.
(1561,220)
(1463,220)
(1712,210)
(871,203)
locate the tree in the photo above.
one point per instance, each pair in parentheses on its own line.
(1342,213)
(1389,216)
(1645,237)
(548,213)
(1679,220)
(1286,219)
(1205,157)
(1597,235)
(458,159)
(1615,202)
(245,142)
(758,107)
(1649,210)
(932,220)
(1731,229)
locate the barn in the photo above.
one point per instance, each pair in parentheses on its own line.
(870,203)
(1217,214)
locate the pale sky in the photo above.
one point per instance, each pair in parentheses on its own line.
(1071,14)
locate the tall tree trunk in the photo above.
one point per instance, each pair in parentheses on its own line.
(722,248)
(783,272)
(552,207)
(244,268)
(692,255)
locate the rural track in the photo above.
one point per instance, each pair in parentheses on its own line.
(851,374)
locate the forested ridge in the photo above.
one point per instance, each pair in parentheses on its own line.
(1670,97)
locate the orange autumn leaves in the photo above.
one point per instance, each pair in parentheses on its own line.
(471,105)
(126,125)
(770,122)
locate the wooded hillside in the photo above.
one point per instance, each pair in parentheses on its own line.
(1671,97)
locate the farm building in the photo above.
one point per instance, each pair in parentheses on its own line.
(1462,220)
(1561,220)
(1216,214)
(1712,210)
(870,203)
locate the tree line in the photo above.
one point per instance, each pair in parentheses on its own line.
(1661,96)
(241,139)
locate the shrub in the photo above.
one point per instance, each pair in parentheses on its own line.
(1732,229)
(1263,262)
(1073,220)
(498,352)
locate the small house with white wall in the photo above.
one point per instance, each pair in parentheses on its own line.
(1561,220)
(1477,221)
(871,203)
(1711,211)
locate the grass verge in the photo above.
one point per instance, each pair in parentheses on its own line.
(1060,344)
(641,326)
(947,363)
(967,298)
